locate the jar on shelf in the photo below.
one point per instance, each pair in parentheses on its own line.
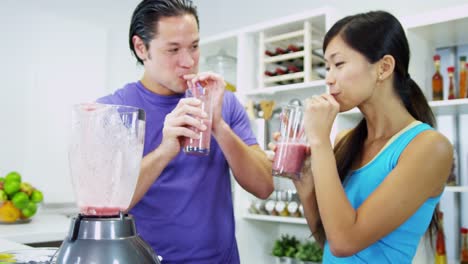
(270,204)
(282,204)
(224,65)
(293,205)
(257,206)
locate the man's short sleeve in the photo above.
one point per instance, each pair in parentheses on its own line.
(236,116)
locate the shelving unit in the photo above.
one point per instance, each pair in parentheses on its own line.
(425,33)
(296,87)
(276,219)
(301,63)
(456,189)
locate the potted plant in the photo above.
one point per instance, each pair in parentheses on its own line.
(285,249)
(309,253)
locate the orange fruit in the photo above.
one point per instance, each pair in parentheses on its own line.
(9,213)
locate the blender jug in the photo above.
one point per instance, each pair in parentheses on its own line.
(105,154)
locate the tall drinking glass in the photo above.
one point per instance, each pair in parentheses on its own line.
(201,145)
(291,149)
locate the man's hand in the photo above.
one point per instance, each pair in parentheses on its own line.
(178,122)
(215,85)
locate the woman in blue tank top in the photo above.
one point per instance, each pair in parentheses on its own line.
(371,197)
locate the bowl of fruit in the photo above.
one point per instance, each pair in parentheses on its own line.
(19,200)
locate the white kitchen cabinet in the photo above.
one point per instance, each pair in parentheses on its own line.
(426,33)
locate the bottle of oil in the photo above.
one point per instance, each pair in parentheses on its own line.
(464,245)
(450,71)
(462,70)
(437,80)
(440,253)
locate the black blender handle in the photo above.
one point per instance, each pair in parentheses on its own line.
(76,227)
(141,114)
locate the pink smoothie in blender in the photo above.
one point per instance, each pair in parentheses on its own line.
(105,152)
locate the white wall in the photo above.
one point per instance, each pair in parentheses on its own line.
(53,54)
(221,15)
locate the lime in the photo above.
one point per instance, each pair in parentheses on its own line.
(11,186)
(37,196)
(13,176)
(3,196)
(30,210)
(2,179)
(20,200)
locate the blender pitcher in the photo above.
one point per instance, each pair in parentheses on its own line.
(105,154)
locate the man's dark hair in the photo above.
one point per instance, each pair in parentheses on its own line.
(148,13)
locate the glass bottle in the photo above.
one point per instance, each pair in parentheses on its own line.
(450,71)
(282,204)
(440,253)
(437,80)
(271,203)
(462,87)
(464,246)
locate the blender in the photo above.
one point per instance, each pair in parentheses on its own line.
(105,153)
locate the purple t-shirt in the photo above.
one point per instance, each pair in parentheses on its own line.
(187,214)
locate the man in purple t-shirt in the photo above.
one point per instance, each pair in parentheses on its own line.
(182,204)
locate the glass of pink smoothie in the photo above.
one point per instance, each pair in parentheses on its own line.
(291,150)
(200,146)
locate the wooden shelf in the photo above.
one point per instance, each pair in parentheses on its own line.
(456,189)
(445,107)
(286,88)
(277,219)
(442,27)
(283,57)
(289,35)
(284,77)
(450,107)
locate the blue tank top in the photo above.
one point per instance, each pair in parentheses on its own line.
(400,245)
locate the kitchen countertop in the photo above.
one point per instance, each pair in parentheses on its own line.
(44,227)
(6,245)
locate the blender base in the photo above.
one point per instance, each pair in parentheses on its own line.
(104,240)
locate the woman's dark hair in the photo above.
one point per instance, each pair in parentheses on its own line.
(374,35)
(148,13)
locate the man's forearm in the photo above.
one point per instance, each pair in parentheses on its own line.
(152,166)
(249,164)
